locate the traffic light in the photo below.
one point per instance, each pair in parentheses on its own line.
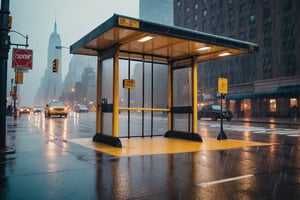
(9,23)
(19,77)
(55,66)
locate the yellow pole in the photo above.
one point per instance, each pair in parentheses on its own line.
(169,96)
(115,128)
(99,97)
(195,97)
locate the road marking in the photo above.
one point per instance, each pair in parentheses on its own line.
(253,129)
(224,180)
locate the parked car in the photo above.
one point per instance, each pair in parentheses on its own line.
(56,108)
(81,108)
(36,109)
(214,112)
(24,110)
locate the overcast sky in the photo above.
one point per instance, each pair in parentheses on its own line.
(74,18)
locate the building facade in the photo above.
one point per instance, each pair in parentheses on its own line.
(157,11)
(263,84)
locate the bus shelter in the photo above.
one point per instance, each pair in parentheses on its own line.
(147,76)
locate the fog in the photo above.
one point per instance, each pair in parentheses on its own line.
(74,18)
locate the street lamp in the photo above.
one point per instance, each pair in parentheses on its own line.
(24,36)
(61,47)
(72,96)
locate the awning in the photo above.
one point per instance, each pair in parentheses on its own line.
(289,89)
(138,37)
(239,96)
(280,91)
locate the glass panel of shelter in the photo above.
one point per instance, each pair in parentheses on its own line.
(140,114)
(107,94)
(182,86)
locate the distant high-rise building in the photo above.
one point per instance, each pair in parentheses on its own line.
(77,66)
(157,11)
(51,83)
(88,85)
(263,84)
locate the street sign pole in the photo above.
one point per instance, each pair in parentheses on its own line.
(4,49)
(222,135)
(222,89)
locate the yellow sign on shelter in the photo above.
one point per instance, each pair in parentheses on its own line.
(222,85)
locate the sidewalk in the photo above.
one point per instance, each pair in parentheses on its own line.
(47,167)
(269,120)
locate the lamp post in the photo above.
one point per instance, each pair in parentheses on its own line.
(4,49)
(61,47)
(73,96)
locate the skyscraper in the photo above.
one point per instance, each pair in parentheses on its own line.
(157,11)
(51,83)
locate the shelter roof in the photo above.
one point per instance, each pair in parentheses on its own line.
(138,37)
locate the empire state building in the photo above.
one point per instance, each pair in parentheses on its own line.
(51,83)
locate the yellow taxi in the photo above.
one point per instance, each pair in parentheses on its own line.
(56,108)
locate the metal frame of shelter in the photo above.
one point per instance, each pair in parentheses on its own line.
(178,50)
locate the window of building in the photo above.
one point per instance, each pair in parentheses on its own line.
(252,19)
(242,22)
(252,33)
(245,107)
(231,25)
(230,12)
(272,103)
(267,27)
(267,13)
(252,4)
(187,21)
(222,28)
(213,8)
(187,9)
(213,22)
(242,7)
(196,6)
(229,1)
(204,1)
(293,102)
(195,17)
(288,5)
(221,4)
(204,12)
(204,25)
(242,35)
(267,59)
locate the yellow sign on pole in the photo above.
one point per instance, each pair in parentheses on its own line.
(222,85)
(19,77)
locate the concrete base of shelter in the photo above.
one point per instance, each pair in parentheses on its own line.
(106,139)
(183,135)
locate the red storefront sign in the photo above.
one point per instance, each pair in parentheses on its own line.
(22,58)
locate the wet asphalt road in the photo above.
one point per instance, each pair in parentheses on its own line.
(47,166)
